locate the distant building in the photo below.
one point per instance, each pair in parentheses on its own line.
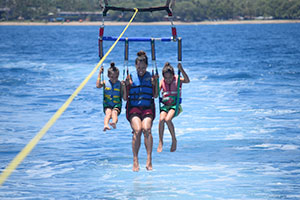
(264,18)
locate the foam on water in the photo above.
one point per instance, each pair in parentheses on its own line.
(238,137)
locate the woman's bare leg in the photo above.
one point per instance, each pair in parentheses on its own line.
(148,140)
(136,125)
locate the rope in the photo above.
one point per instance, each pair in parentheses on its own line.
(27,149)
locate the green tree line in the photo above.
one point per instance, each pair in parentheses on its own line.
(185,10)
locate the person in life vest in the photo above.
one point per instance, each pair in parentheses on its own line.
(140,109)
(169,89)
(112,101)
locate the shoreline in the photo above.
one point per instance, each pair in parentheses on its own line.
(111,23)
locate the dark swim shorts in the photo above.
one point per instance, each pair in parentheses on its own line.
(141,112)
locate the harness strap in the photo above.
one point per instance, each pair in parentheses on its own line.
(161,100)
(100,41)
(126,53)
(178,81)
(155,65)
(146,86)
(103,86)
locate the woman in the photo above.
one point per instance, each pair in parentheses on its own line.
(140,108)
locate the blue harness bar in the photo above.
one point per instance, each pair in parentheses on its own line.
(138,39)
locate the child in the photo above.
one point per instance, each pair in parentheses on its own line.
(112,95)
(168,85)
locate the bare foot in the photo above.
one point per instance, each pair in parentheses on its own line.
(114,125)
(174,145)
(149,166)
(160,147)
(106,128)
(136,167)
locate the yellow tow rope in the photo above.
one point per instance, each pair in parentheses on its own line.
(28,148)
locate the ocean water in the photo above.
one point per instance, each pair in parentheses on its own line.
(238,137)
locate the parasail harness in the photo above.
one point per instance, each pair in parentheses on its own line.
(168,7)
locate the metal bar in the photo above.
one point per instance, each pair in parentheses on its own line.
(138,39)
(150,9)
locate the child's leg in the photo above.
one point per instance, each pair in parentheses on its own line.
(171,127)
(161,128)
(114,117)
(107,117)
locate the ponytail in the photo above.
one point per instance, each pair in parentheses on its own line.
(141,57)
(112,69)
(168,69)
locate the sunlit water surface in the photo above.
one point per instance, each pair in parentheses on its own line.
(238,137)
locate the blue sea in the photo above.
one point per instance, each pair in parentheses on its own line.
(238,136)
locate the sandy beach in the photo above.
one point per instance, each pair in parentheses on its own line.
(111,23)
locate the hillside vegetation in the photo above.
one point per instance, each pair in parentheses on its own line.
(185,10)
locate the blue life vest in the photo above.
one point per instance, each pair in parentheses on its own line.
(112,94)
(141,93)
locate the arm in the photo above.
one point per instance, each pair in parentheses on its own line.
(160,85)
(154,86)
(124,90)
(100,83)
(185,78)
(127,84)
